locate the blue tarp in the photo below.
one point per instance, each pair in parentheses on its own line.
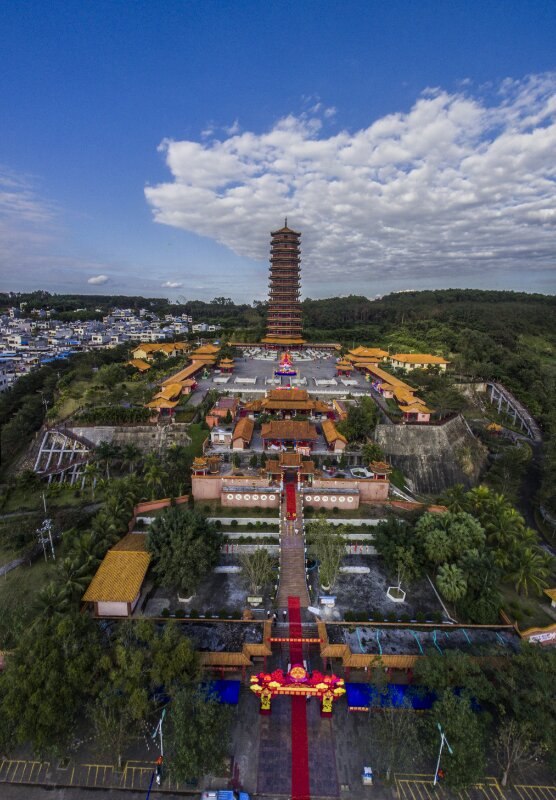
(227,692)
(363,695)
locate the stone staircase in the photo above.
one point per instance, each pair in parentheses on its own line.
(292,559)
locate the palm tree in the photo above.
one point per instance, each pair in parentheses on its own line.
(452,582)
(90,476)
(131,455)
(154,478)
(52,602)
(455,498)
(532,570)
(106,452)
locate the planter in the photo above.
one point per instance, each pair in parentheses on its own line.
(395,594)
(185,599)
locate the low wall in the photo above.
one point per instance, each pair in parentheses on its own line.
(370,491)
(264,498)
(330,501)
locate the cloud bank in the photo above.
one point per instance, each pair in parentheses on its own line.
(458,186)
(172,284)
(98,280)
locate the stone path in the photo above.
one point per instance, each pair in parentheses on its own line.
(293,581)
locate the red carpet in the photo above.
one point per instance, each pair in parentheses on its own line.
(300,742)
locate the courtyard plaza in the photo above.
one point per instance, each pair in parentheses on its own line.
(311,367)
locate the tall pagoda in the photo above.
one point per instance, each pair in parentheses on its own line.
(284,309)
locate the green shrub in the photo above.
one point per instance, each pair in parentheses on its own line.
(218,523)
(193,613)
(234,523)
(165,612)
(222,614)
(420,616)
(391,616)
(236,615)
(350,616)
(206,509)
(405,618)
(250,526)
(335,510)
(437,617)
(378,616)
(179,613)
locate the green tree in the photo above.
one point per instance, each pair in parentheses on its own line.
(395,732)
(185,547)
(371,451)
(531,570)
(451,581)
(395,541)
(327,545)
(361,420)
(465,731)
(193,750)
(258,569)
(131,455)
(47,682)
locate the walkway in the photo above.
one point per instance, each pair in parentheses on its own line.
(300,739)
(293,582)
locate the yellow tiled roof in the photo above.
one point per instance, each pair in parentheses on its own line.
(551,593)
(418,358)
(139,364)
(368,352)
(119,577)
(180,376)
(162,403)
(170,392)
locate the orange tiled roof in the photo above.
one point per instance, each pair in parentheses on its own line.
(331,433)
(289,429)
(244,429)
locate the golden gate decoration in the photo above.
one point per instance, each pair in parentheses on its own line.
(297,682)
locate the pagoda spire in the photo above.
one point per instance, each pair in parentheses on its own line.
(284,324)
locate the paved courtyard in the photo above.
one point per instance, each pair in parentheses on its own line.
(308,373)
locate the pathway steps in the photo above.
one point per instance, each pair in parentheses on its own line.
(293,582)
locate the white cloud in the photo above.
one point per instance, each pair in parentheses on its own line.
(172,285)
(233,129)
(457,186)
(98,280)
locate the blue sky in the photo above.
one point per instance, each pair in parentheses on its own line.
(150,147)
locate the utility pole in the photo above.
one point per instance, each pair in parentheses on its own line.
(44,533)
(443,740)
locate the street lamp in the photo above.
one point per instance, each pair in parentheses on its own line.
(443,740)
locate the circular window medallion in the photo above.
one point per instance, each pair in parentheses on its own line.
(307,499)
(229,497)
(247,497)
(342,499)
(333,499)
(317,498)
(238,497)
(325,499)
(350,499)
(263,497)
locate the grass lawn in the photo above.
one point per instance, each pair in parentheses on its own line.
(198,436)
(19,590)
(212,508)
(24,500)
(529,612)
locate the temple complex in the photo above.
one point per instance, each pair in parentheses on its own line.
(284,326)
